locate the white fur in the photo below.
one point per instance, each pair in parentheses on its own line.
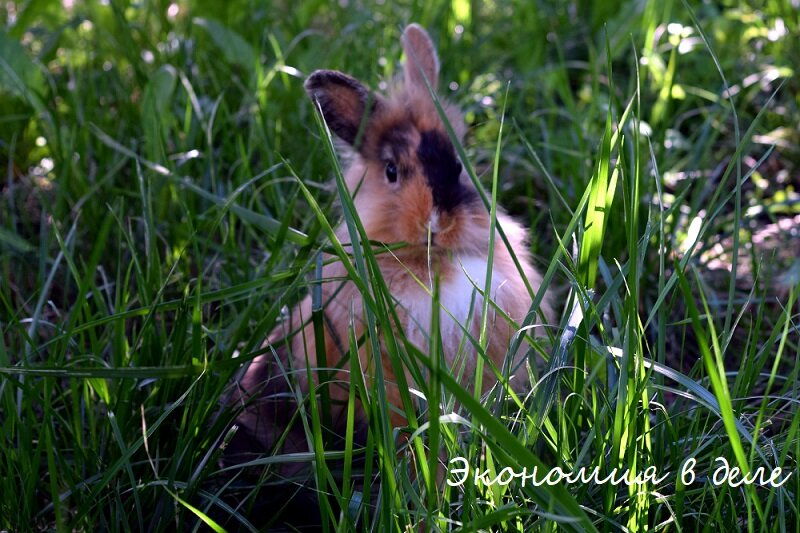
(456,294)
(456,298)
(434,222)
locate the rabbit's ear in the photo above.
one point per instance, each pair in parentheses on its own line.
(420,58)
(345,102)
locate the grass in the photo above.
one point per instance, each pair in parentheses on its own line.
(165,194)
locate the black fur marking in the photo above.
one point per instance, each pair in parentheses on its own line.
(441,167)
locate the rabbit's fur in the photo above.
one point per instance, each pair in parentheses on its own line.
(409,187)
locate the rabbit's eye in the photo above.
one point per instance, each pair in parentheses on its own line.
(391,172)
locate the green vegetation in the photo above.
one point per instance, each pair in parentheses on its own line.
(153,223)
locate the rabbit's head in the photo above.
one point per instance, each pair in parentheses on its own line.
(409,183)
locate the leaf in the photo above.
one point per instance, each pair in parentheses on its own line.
(100,387)
(235,49)
(13,241)
(19,75)
(155,110)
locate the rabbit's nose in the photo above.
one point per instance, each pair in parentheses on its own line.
(434,221)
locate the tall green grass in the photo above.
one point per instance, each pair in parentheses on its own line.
(167,190)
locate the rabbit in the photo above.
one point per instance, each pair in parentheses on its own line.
(408,186)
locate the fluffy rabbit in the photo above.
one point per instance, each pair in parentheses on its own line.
(408,186)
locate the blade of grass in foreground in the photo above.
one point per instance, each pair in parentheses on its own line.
(553,499)
(125,458)
(374,302)
(715,370)
(269,224)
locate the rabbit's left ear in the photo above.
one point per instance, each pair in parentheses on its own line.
(420,58)
(345,102)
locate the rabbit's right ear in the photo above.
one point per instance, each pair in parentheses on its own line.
(345,102)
